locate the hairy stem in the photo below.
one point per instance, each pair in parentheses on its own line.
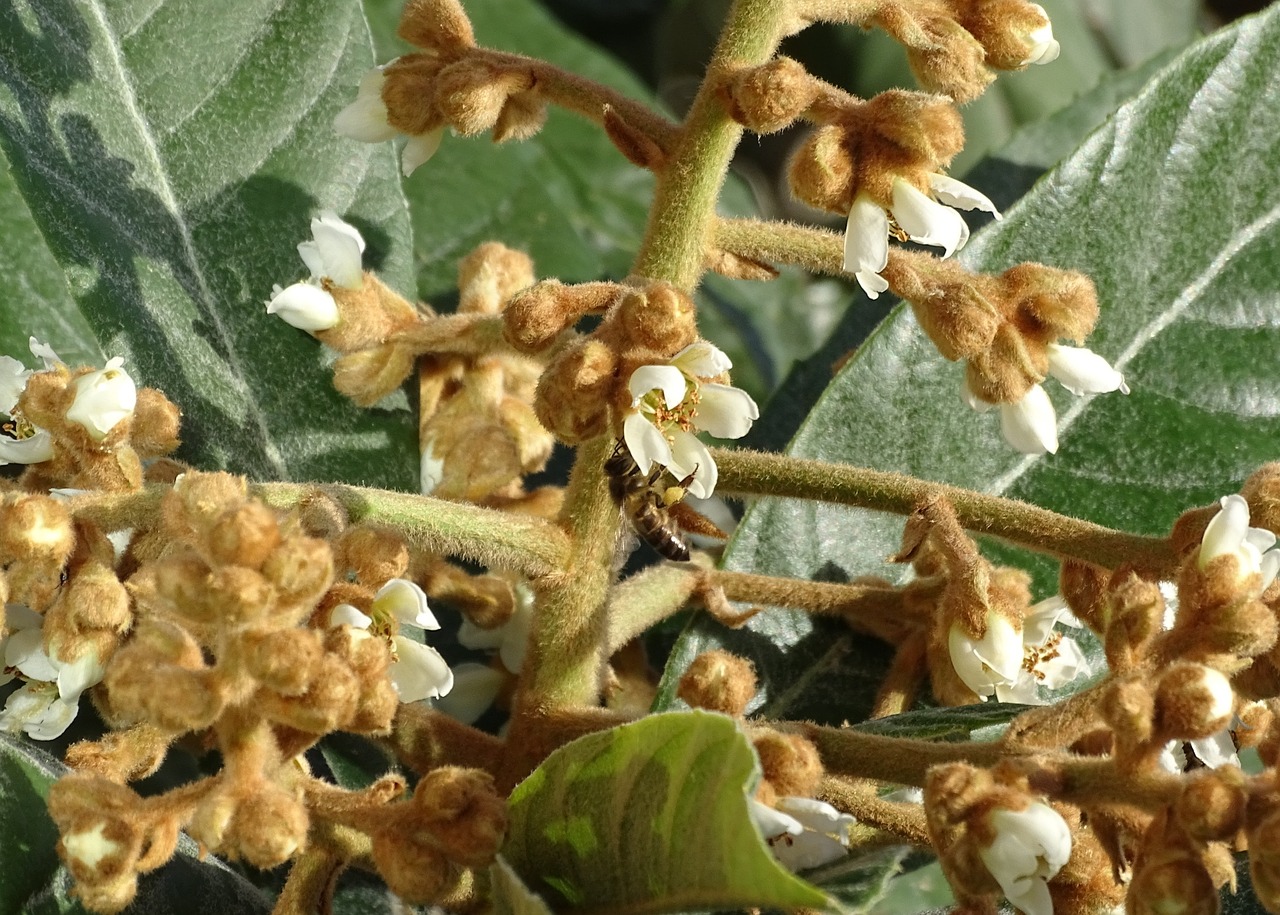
(689,184)
(1035,528)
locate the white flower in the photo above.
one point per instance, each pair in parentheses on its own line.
(304,306)
(418,671)
(1050,659)
(365,120)
(31,445)
(49,699)
(1030,425)
(103,399)
(927,219)
(1029,849)
(333,255)
(989,661)
(475,688)
(1012,665)
(1043,49)
(671,402)
(1082,371)
(334,251)
(802,832)
(13,381)
(1229,534)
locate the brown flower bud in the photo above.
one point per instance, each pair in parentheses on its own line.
(373,554)
(283,660)
(1262,491)
(1007,370)
(1264,860)
(436,24)
(1211,807)
(156,421)
(537,315)
(1004,29)
(1128,706)
(925,130)
(573,395)
(471,93)
(1135,613)
(959,317)
(196,502)
(267,829)
(1051,304)
(94,599)
(408,91)
(35,529)
(1179,884)
(1192,701)
(659,317)
(943,56)
(521,117)
(369,375)
(489,276)
(412,867)
(301,569)
(719,681)
(244,535)
(321,515)
(822,173)
(1083,586)
(770,97)
(329,702)
(789,762)
(463,814)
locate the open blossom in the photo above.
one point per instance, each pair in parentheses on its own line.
(365,120)
(1229,534)
(1030,425)
(48,700)
(1029,848)
(1013,664)
(103,399)
(802,832)
(672,402)
(418,671)
(333,255)
(927,219)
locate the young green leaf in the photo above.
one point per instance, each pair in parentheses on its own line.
(649,817)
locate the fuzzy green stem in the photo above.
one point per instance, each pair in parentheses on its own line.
(491,538)
(1030,526)
(565,659)
(688,186)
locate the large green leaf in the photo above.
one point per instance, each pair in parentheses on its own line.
(33,881)
(171,170)
(648,817)
(1172,207)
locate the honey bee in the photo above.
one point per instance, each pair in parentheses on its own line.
(646,503)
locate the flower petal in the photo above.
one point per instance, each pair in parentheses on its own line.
(648,446)
(304,306)
(419,672)
(701,360)
(926,221)
(1216,750)
(44,352)
(958,194)
(808,850)
(690,456)
(725,411)
(103,399)
(817,815)
(772,823)
(31,450)
(349,615)
(339,247)
(418,149)
(1226,530)
(365,119)
(13,381)
(1082,371)
(430,468)
(666,378)
(1044,49)
(866,241)
(1030,425)
(36,709)
(78,675)
(872,283)
(404,602)
(1038,623)
(24,651)
(475,688)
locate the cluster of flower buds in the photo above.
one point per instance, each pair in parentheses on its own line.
(448,83)
(84,428)
(641,375)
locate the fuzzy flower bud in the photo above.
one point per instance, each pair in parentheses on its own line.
(788,762)
(770,97)
(1192,702)
(463,814)
(719,681)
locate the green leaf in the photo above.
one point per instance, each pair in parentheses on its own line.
(858,882)
(648,817)
(1174,210)
(34,882)
(356,762)
(985,722)
(171,177)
